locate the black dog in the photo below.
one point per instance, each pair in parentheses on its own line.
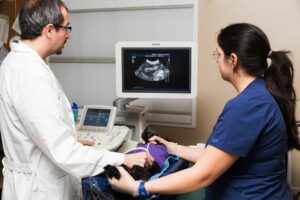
(137,172)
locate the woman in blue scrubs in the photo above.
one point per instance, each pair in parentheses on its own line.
(245,155)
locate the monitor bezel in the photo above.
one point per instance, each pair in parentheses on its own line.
(110,123)
(152,45)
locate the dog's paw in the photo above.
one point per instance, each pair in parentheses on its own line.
(112,171)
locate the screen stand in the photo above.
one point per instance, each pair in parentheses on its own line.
(135,117)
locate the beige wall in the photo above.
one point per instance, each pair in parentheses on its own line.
(279,19)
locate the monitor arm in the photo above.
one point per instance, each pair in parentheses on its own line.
(121,103)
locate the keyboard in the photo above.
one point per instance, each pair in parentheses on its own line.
(110,140)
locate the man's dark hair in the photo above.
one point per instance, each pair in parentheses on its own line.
(36,14)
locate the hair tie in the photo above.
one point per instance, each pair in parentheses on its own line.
(269,54)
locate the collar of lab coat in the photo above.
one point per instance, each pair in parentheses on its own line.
(24,48)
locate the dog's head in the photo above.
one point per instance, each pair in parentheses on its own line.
(148,133)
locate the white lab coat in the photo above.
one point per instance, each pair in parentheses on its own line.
(38,133)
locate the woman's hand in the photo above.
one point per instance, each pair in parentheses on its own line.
(126,184)
(171,146)
(142,159)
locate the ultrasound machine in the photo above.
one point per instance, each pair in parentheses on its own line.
(143,70)
(97,125)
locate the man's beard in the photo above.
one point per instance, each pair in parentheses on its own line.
(58,52)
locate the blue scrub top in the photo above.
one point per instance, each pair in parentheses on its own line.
(251,127)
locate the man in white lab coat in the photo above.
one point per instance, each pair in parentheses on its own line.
(42,155)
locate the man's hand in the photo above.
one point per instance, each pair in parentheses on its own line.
(86,142)
(126,184)
(142,159)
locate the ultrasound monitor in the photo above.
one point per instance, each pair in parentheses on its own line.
(156,69)
(97,118)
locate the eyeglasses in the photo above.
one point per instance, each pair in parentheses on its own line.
(216,55)
(67,27)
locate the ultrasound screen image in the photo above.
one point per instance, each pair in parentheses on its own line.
(166,70)
(153,70)
(96,117)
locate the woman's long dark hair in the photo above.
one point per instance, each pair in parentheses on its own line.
(252,47)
